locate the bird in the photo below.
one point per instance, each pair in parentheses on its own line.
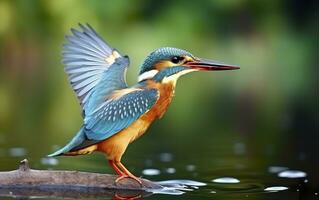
(114,114)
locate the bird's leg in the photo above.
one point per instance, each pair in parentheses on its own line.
(123,169)
(116,169)
(127,173)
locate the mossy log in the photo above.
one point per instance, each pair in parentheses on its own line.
(25,182)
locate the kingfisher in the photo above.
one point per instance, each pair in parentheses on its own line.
(114,114)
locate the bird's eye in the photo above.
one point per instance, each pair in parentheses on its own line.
(177,59)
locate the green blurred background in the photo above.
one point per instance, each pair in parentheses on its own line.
(270,105)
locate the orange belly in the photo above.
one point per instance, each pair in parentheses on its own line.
(115,146)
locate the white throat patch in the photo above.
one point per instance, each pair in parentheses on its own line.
(173,78)
(147,75)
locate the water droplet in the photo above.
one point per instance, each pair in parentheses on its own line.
(292,174)
(226,180)
(170,170)
(17,151)
(151,172)
(49,161)
(276,188)
(166,157)
(190,168)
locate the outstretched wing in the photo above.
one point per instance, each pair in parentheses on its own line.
(87,58)
(119,112)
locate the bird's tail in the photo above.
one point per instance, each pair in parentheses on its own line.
(76,141)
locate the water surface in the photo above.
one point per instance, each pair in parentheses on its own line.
(232,171)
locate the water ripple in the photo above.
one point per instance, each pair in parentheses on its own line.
(183,182)
(177,187)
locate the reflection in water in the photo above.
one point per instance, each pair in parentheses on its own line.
(236,187)
(45,192)
(226,180)
(118,196)
(292,174)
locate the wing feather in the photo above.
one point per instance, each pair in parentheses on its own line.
(116,114)
(86,57)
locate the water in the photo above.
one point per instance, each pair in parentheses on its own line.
(220,172)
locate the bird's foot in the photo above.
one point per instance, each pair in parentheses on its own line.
(128,176)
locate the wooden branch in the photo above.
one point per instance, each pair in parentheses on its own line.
(26,182)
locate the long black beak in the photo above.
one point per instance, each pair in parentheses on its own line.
(210,65)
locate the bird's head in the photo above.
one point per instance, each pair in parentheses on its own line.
(168,64)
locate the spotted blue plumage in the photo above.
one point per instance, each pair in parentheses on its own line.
(115,115)
(110,118)
(85,58)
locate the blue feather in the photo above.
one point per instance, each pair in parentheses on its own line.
(85,58)
(112,79)
(116,115)
(77,140)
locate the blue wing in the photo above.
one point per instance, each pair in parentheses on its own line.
(88,59)
(118,113)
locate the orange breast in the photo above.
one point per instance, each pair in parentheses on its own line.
(166,94)
(115,146)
